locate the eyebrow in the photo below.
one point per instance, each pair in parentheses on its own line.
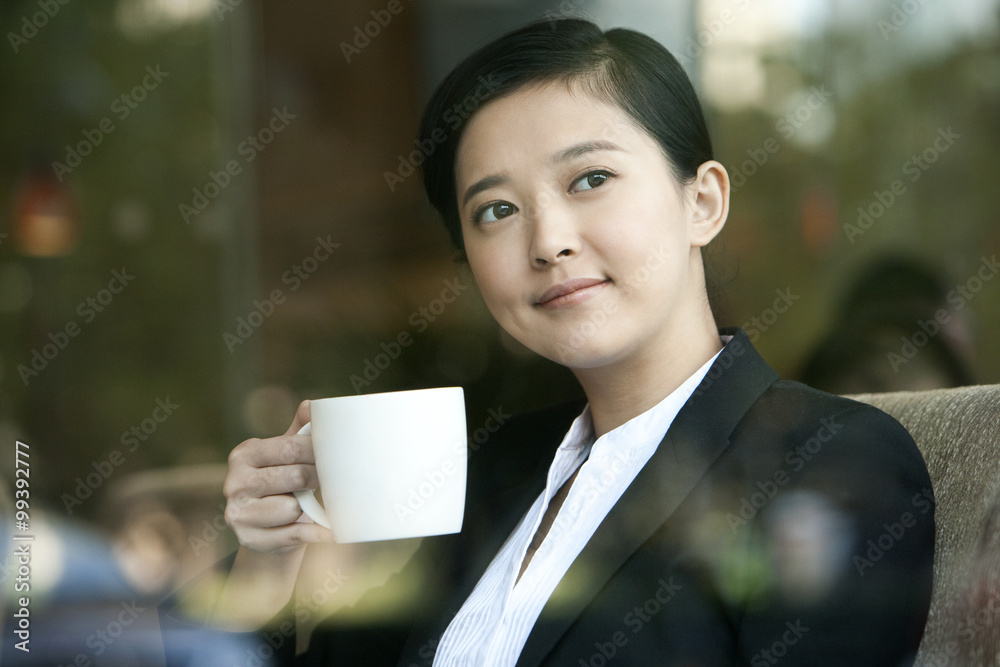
(564,155)
(484,184)
(583,148)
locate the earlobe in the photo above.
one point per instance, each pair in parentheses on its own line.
(711,202)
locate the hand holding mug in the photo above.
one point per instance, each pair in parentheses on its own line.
(390,465)
(260,480)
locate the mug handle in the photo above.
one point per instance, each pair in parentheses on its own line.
(307,497)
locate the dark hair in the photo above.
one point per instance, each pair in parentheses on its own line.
(625,68)
(888,301)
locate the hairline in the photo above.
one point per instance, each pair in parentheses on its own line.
(585,82)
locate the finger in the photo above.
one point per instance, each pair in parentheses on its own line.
(270,512)
(285,538)
(283,450)
(301,418)
(276,480)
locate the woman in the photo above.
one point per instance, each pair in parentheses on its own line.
(697,510)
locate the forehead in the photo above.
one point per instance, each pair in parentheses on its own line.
(530,125)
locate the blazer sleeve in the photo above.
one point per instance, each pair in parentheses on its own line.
(844,525)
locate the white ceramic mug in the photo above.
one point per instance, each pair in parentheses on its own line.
(390,465)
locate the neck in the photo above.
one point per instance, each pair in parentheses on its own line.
(620,391)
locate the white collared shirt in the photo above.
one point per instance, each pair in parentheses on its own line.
(493,625)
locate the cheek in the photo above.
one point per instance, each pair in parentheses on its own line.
(649,266)
(492,278)
(651,236)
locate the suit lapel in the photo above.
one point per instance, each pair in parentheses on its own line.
(698,435)
(496,513)
(515,502)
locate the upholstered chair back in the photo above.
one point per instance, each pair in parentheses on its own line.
(958,433)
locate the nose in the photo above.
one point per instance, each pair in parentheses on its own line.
(554,236)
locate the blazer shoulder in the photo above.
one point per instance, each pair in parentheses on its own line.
(838,432)
(790,402)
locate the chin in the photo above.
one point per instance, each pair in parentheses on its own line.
(587,344)
(576,354)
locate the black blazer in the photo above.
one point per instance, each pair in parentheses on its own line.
(774,523)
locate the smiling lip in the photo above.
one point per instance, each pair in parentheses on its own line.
(571,292)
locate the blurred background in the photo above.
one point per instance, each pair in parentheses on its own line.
(209,211)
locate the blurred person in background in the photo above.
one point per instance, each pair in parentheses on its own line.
(899,328)
(93,591)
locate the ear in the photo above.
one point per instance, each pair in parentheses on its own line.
(710,199)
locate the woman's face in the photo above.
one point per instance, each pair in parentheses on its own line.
(584,246)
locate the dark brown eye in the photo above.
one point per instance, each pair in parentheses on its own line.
(590,180)
(495,211)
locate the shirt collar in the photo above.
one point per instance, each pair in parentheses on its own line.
(643,430)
